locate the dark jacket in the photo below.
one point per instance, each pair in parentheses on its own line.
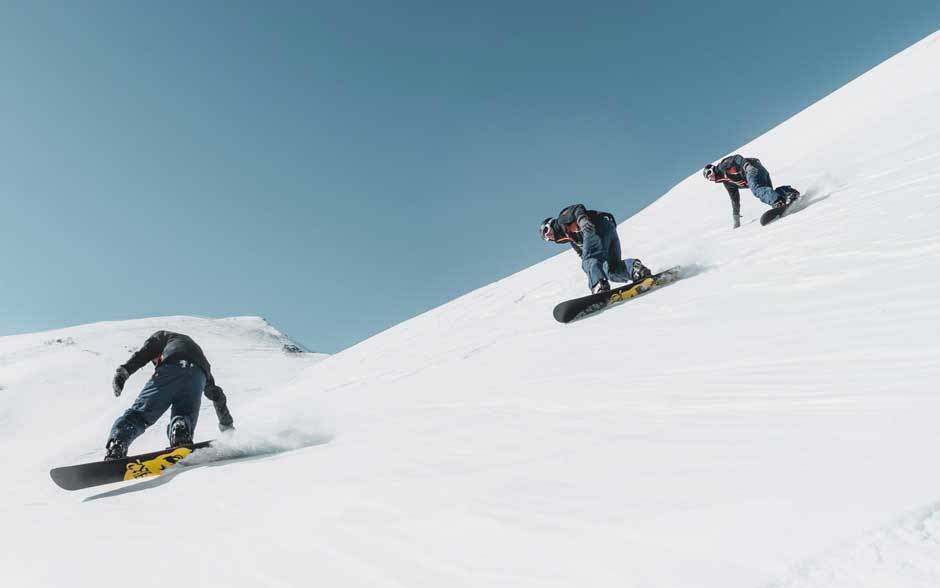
(730,171)
(166,346)
(574,220)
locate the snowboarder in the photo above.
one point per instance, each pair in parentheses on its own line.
(593,236)
(737,172)
(181,377)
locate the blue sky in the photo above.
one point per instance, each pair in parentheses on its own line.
(340,167)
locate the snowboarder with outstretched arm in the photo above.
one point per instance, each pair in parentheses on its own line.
(737,172)
(181,377)
(593,235)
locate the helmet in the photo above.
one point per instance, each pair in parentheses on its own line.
(710,172)
(547,229)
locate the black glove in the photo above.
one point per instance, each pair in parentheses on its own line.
(737,220)
(120,376)
(226,423)
(217,396)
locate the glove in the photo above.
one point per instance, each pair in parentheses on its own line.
(120,376)
(737,220)
(226,423)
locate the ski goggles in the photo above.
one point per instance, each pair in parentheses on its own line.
(546,230)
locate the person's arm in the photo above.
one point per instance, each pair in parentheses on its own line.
(735,196)
(152,348)
(577,248)
(220,403)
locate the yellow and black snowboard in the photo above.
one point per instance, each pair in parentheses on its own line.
(97,473)
(571,310)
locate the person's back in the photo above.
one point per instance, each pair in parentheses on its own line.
(165,346)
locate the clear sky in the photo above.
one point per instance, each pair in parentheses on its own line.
(338,167)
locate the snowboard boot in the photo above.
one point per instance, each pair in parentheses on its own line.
(115,450)
(788,194)
(639,272)
(602,286)
(178,433)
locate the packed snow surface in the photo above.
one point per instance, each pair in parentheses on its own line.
(769,421)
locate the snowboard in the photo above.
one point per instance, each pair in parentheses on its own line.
(775,213)
(578,308)
(96,473)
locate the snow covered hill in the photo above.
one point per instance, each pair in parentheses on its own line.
(56,404)
(768,421)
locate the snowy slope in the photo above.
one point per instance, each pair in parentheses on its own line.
(768,421)
(56,404)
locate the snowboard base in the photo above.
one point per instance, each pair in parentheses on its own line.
(578,308)
(96,473)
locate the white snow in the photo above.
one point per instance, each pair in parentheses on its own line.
(771,420)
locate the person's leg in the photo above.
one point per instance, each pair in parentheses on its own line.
(187,398)
(788,192)
(625,273)
(622,270)
(594,252)
(619,270)
(615,265)
(758,181)
(150,404)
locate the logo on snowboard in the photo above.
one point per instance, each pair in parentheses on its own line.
(155,466)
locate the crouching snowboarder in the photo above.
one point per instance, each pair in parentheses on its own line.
(181,377)
(737,172)
(593,235)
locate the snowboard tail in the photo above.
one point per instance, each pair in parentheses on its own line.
(97,473)
(578,308)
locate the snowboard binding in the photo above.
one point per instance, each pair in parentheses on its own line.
(116,449)
(178,432)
